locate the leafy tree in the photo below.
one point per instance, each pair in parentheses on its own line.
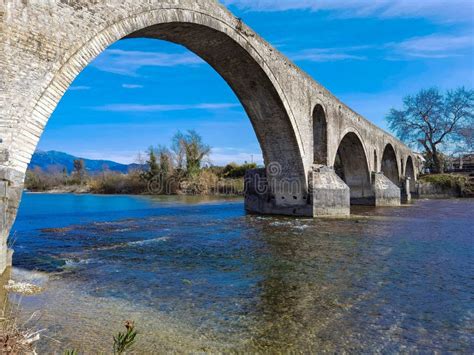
(190,149)
(153,167)
(431,119)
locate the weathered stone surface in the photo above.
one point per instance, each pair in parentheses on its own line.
(260,198)
(4,154)
(44,45)
(330,196)
(385,191)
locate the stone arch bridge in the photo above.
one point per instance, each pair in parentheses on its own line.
(320,156)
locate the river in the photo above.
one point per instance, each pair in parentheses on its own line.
(198,274)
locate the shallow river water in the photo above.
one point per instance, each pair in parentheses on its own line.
(198,274)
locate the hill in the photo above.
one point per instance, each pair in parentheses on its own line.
(57,161)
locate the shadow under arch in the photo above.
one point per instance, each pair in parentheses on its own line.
(410,173)
(320,136)
(220,46)
(351,165)
(389,164)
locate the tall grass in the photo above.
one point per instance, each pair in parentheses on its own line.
(16,338)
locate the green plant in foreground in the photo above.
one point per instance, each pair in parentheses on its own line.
(123,341)
(71,352)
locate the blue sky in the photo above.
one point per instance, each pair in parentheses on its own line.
(368,53)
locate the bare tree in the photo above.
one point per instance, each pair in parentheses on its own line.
(466,141)
(165,160)
(179,151)
(79,170)
(430,119)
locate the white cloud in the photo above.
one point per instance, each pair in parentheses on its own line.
(123,62)
(164,108)
(79,88)
(132,86)
(433,46)
(439,10)
(326,54)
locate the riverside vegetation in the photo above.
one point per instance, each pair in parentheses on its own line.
(181,169)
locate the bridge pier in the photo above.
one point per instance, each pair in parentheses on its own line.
(386,193)
(11,186)
(330,196)
(406,190)
(260,196)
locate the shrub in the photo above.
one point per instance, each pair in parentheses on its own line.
(233,170)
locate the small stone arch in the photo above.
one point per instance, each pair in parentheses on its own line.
(320,137)
(350,164)
(389,164)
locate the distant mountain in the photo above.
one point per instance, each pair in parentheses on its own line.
(53,160)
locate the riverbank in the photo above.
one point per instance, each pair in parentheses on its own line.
(445,186)
(208,181)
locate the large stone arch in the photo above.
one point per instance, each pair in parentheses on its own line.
(350,163)
(390,164)
(222,45)
(320,136)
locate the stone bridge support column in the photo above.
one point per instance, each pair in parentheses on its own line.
(406,190)
(385,191)
(327,195)
(260,197)
(330,196)
(11,186)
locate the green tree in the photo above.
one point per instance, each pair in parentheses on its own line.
(431,119)
(153,167)
(190,149)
